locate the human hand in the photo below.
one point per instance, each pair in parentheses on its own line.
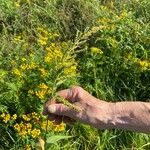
(94,112)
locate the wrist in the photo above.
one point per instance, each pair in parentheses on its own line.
(104,115)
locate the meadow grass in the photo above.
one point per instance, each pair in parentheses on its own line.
(46,46)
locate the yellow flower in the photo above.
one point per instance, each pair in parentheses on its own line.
(31,92)
(48,58)
(14,117)
(17,127)
(143,64)
(3,115)
(29,125)
(27,147)
(40,94)
(59,128)
(35,116)
(26,118)
(123,15)
(43,89)
(43,125)
(42,41)
(24,66)
(42,31)
(25,45)
(103,20)
(53,53)
(6,117)
(43,72)
(42,36)
(96,50)
(17,72)
(32,65)
(70,71)
(17,39)
(23,129)
(43,86)
(17,4)
(49,125)
(23,133)
(23,59)
(35,133)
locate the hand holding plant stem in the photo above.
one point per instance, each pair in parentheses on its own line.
(80,106)
(87,109)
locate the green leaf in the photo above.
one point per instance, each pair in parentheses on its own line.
(56,138)
(3,108)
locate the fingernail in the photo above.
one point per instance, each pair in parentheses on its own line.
(52,109)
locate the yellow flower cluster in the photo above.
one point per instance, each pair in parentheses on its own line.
(144,64)
(35,116)
(31,116)
(5,117)
(70,71)
(31,92)
(43,90)
(123,15)
(35,133)
(69,66)
(26,117)
(25,129)
(52,126)
(17,39)
(42,40)
(53,53)
(28,66)
(45,124)
(103,20)
(44,72)
(41,94)
(43,86)
(96,50)
(60,127)
(24,66)
(42,32)
(17,72)
(27,147)
(17,4)
(14,117)
(44,36)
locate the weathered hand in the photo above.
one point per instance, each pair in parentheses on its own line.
(93,111)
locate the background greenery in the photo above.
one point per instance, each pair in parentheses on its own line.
(49,45)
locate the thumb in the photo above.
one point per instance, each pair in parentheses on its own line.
(61,110)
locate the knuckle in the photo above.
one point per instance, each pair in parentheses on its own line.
(76,90)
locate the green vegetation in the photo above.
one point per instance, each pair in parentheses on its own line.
(46,46)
